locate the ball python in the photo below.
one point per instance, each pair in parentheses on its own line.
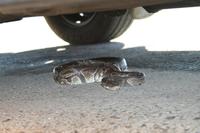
(111,72)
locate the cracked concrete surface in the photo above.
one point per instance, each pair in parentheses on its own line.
(169,101)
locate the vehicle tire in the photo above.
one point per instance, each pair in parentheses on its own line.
(90,28)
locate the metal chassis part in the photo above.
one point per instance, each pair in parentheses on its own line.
(11,10)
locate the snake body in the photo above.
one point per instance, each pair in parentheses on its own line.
(111,72)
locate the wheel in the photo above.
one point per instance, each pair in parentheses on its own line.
(89,28)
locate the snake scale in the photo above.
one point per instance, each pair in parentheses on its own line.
(111,72)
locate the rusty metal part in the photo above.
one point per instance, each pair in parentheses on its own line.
(56,7)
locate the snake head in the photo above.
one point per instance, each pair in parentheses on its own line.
(122,79)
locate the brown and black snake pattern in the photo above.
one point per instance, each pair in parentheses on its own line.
(111,72)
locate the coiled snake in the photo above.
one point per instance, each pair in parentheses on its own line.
(111,72)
